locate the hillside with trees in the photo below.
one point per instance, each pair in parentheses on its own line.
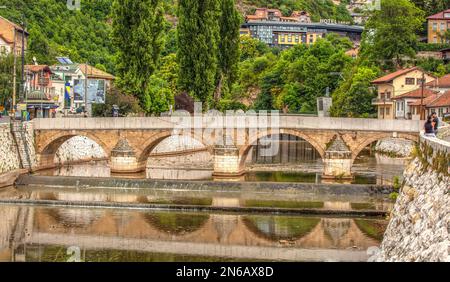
(220,68)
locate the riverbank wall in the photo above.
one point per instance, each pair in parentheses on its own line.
(16,156)
(420,221)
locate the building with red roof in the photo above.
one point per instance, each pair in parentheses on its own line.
(395,84)
(441,84)
(438,25)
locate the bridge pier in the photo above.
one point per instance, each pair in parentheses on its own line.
(227,162)
(338,160)
(123,158)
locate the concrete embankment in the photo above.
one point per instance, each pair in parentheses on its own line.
(85,182)
(243,197)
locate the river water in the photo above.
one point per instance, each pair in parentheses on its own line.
(81,234)
(93,233)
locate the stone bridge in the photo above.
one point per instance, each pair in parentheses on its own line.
(127,142)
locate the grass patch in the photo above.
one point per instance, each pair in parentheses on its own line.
(362,206)
(184,201)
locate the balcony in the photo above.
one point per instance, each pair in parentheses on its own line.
(43,81)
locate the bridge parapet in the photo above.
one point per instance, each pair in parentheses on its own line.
(246,121)
(240,132)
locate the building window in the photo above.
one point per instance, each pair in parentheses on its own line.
(410,81)
(420,81)
(434,26)
(442,26)
(435,39)
(441,112)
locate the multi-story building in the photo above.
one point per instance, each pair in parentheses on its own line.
(438,25)
(441,84)
(11,36)
(269,26)
(396,84)
(403,102)
(40,98)
(264,14)
(73,76)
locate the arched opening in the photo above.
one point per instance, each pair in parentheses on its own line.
(74,148)
(178,157)
(79,148)
(380,159)
(268,157)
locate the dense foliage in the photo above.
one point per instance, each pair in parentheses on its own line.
(56,31)
(196,49)
(138,52)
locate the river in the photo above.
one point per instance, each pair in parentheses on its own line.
(134,232)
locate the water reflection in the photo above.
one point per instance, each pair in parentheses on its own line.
(366,171)
(44,234)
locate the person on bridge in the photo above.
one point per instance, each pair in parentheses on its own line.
(429,127)
(436,122)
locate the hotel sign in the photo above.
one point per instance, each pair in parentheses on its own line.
(331,21)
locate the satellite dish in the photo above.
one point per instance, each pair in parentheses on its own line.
(35,61)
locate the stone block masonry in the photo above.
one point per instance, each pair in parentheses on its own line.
(9,156)
(420,222)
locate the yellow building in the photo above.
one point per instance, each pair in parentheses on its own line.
(295,38)
(438,25)
(396,84)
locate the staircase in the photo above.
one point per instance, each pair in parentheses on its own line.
(19,135)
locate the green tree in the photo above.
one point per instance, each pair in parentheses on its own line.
(198,36)
(354,96)
(391,33)
(137,33)
(229,22)
(127,104)
(432,7)
(251,47)
(158,96)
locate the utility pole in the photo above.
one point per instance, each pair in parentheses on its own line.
(21,93)
(85,90)
(422,116)
(14,76)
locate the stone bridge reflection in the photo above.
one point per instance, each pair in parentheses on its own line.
(220,235)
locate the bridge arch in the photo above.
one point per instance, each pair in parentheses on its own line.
(47,148)
(252,141)
(378,137)
(156,139)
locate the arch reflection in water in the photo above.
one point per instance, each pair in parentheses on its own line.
(176,223)
(280,228)
(112,235)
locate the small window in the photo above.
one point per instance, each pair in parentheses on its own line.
(434,26)
(410,81)
(420,81)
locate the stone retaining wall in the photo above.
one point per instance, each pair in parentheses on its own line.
(420,222)
(395,147)
(79,148)
(9,157)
